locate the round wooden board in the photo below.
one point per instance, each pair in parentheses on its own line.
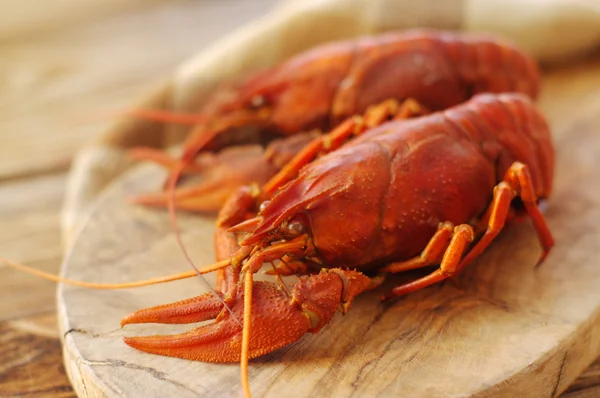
(505,329)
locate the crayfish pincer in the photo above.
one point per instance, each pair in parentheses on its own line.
(372,197)
(279,318)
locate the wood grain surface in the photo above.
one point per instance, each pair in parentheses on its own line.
(507,329)
(64,65)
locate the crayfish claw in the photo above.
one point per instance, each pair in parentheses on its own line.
(195,309)
(277,322)
(208,343)
(229,169)
(278,319)
(206,197)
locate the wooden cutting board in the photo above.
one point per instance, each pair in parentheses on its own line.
(506,329)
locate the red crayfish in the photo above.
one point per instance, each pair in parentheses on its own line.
(411,193)
(318,89)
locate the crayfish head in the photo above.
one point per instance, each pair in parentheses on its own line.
(291,228)
(288,214)
(299,92)
(275,223)
(288,241)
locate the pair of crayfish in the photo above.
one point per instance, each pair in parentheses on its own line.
(396,152)
(408,175)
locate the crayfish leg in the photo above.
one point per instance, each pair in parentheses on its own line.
(517,182)
(245,354)
(462,236)
(430,255)
(288,266)
(410,108)
(353,126)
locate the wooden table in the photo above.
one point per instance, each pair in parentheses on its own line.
(62,63)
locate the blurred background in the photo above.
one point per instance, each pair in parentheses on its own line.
(65,60)
(62,63)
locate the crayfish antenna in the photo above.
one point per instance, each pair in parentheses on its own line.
(248,284)
(171,183)
(163,116)
(152,115)
(161,158)
(158,115)
(115,286)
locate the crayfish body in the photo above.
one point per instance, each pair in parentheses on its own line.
(403,195)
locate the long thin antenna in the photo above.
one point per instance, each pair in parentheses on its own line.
(115,286)
(171,183)
(245,354)
(159,115)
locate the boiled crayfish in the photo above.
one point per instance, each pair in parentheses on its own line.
(315,91)
(411,193)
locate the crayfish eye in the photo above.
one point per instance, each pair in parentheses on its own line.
(257,102)
(295,227)
(263,205)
